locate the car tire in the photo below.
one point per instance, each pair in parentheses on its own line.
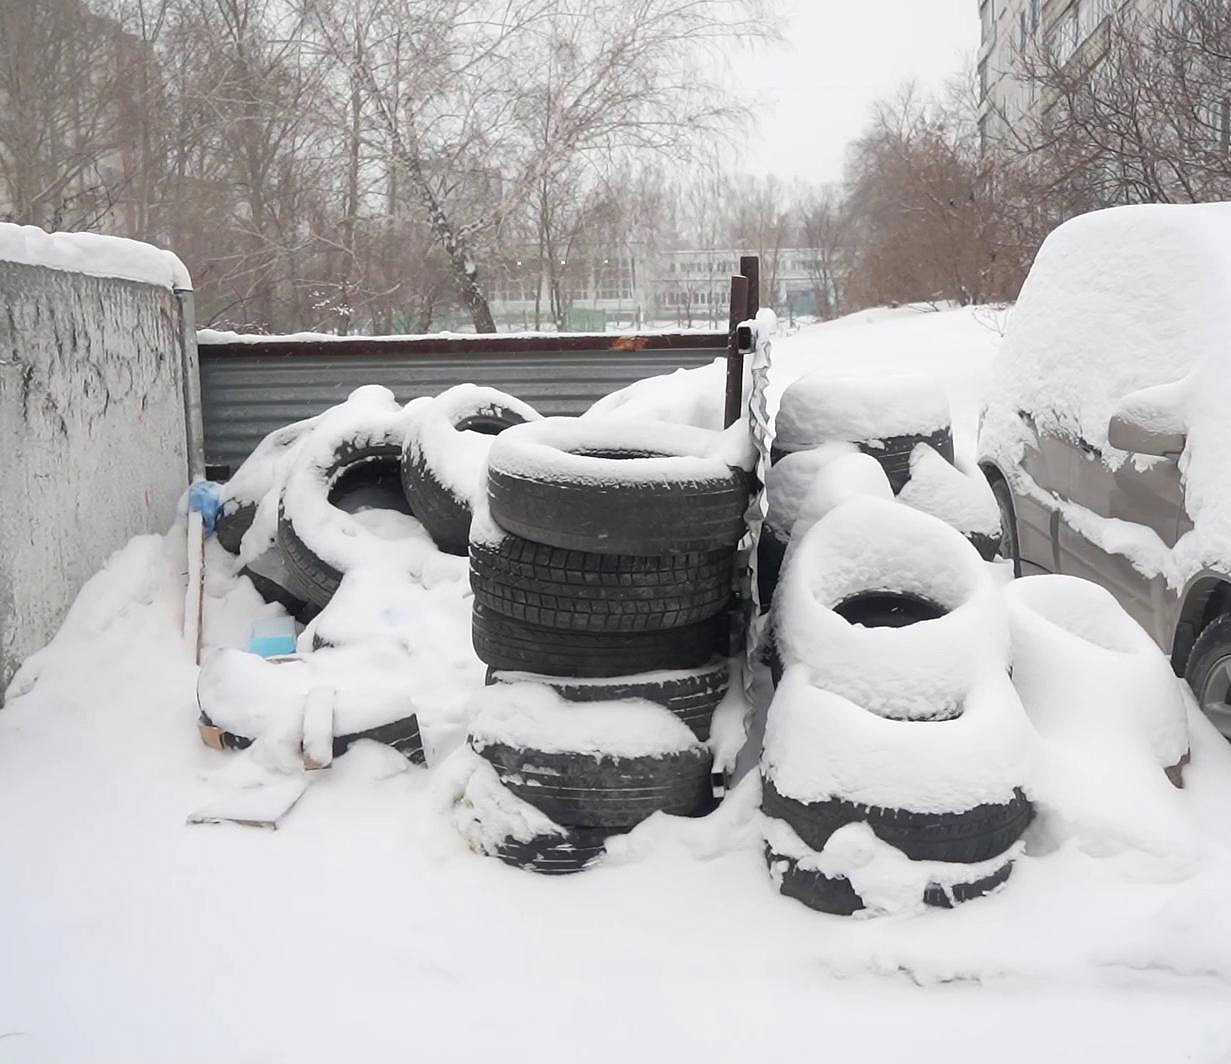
(445,513)
(691,696)
(966,837)
(401,735)
(771,553)
(513,645)
(573,483)
(368,468)
(1208,668)
(604,791)
(556,855)
(232,523)
(581,591)
(893,452)
(1007,548)
(835,894)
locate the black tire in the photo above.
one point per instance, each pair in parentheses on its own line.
(556,855)
(968,837)
(691,698)
(1007,548)
(771,552)
(505,643)
(232,523)
(987,546)
(274,583)
(624,517)
(581,790)
(584,592)
(1207,672)
(402,735)
(445,516)
(836,896)
(892,452)
(371,472)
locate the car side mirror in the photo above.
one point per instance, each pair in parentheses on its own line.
(1150,421)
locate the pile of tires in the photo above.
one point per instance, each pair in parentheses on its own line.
(602,571)
(902,423)
(896,745)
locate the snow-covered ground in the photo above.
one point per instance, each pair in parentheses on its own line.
(364,929)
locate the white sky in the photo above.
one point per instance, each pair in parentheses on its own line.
(840,56)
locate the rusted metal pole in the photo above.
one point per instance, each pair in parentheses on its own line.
(735,357)
(750,267)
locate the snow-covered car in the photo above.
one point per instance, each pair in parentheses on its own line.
(1106,437)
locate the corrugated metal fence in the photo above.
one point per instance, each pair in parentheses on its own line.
(251,386)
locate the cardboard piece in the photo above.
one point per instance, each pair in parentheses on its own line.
(261,806)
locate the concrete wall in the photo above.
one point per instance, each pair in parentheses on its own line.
(92,436)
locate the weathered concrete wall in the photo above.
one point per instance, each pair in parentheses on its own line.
(92,436)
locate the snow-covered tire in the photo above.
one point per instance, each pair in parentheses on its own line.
(771,552)
(233,521)
(586,592)
(967,837)
(690,695)
(556,855)
(508,644)
(401,735)
(885,417)
(357,463)
(442,469)
(273,582)
(583,790)
(987,545)
(836,896)
(890,608)
(612,486)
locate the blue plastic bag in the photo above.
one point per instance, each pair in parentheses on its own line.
(205,497)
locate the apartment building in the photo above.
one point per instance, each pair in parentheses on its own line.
(1013,30)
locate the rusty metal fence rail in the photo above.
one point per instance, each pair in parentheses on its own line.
(251,385)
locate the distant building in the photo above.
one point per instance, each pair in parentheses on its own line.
(638,286)
(1013,29)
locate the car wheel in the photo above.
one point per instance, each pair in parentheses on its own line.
(1209,673)
(1008,549)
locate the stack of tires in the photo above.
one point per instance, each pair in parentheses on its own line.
(603,570)
(895,746)
(904,424)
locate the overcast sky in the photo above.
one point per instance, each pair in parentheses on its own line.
(840,57)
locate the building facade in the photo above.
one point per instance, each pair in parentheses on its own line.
(1014,30)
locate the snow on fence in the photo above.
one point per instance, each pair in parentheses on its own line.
(253,384)
(96,345)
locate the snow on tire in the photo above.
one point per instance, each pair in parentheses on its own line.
(446,455)
(586,592)
(614,486)
(690,695)
(318,538)
(508,644)
(600,765)
(891,609)
(964,502)
(885,417)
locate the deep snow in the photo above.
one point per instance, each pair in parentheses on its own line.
(364,928)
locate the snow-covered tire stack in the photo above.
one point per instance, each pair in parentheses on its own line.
(575,774)
(445,456)
(886,417)
(602,569)
(896,746)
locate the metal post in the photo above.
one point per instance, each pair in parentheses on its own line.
(750,267)
(735,357)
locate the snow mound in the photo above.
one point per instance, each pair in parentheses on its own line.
(788,480)
(561,448)
(694,397)
(1111,711)
(535,717)
(265,469)
(961,500)
(873,545)
(458,459)
(819,745)
(848,476)
(93,254)
(828,406)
